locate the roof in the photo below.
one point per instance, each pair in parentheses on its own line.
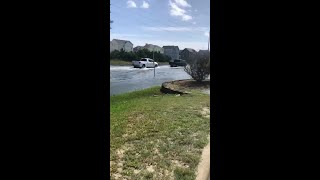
(170,47)
(203,51)
(190,50)
(152,46)
(121,42)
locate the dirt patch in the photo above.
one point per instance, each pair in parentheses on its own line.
(117,176)
(136,171)
(205,112)
(179,164)
(150,168)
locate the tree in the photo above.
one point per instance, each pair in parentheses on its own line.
(198,67)
(115,54)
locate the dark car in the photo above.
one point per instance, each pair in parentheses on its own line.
(178,62)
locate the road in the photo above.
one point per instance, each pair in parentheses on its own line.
(126,78)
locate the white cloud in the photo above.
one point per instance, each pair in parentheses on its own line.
(176,29)
(175,10)
(131,4)
(186,17)
(145,5)
(182,3)
(206,34)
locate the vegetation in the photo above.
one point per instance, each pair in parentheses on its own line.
(157,136)
(117,62)
(198,67)
(142,53)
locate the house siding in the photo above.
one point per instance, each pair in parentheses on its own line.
(185,54)
(121,44)
(171,51)
(128,47)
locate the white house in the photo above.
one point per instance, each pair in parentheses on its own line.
(117,44)
(154,48)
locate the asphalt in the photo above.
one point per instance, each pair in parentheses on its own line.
(126,78)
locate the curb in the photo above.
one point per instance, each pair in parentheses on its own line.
(167,90)
(203,172)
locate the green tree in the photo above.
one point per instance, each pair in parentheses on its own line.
(115,54)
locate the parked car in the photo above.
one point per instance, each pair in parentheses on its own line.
(178,62)
(145,63)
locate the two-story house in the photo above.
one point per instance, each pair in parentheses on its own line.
(117,44)
(187,53)
(171,51)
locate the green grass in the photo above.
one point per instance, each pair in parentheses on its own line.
(157,136)
(117,62)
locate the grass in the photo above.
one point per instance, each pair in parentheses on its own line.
(157,136)
(117,62)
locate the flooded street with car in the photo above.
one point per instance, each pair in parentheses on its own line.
(126,78)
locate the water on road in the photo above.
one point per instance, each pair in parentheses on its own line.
(126,78)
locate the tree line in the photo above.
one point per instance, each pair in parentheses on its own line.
(141,53)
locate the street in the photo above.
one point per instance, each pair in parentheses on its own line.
(126,78)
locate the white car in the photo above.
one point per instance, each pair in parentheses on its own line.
(145,63)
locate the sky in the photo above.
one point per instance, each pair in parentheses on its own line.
(183,23)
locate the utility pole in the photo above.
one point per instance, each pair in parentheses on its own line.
(209,46)
(154,67)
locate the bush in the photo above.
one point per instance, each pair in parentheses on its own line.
(198,67)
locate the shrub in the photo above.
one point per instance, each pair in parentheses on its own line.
(198,67)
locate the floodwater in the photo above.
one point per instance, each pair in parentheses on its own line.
(126,78)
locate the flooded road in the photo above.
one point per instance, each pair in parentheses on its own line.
(126,78)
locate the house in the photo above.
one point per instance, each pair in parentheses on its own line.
(187,53)
(154,48)
(137,48)
(171,51)
(117,44)
(204,52)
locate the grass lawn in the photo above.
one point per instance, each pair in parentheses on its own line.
(117,62)
(157,136)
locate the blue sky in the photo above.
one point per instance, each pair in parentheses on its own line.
(184,23)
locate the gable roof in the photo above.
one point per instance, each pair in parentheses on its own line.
(151,46)
(190,50)
(170,47)
(203,51)
(121,42)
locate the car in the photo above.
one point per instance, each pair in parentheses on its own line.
(177,62)
(145,63)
